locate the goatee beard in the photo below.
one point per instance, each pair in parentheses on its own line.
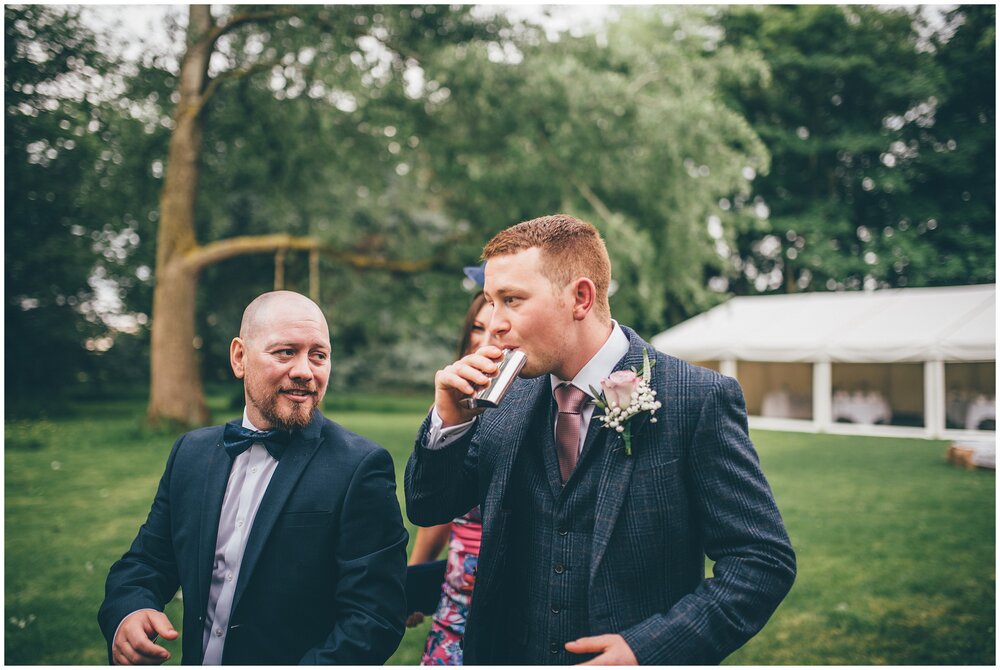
(295,420)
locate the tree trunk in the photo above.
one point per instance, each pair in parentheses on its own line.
(175,383)
(175,392)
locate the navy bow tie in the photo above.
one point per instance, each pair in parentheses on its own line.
(237,439)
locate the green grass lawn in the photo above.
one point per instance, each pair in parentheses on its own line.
(896,549)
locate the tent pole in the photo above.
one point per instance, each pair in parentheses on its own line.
(822,395)
(934,398)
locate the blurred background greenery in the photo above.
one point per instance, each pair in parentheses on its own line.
(365,153)
(720,150)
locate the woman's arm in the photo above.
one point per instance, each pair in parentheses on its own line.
(429,542)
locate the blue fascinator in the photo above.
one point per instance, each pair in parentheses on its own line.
(476,273)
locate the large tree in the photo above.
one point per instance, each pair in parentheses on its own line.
(430,125)
(881,135)
(625,127)
(71,204)
(955,173)
(282,42)
(387,133)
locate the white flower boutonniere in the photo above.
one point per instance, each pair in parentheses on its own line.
(625,396)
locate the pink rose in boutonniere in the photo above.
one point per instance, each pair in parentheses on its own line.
(625,396)
(619,388)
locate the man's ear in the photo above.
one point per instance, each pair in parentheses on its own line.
(237,357)
(584,297)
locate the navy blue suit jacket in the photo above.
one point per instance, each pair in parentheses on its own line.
(692,488)
(323,572)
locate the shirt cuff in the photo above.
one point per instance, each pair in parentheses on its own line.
(440,437)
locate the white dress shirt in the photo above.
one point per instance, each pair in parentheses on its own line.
(597,368)
(248,479)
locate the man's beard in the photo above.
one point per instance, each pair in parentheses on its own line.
(268,408)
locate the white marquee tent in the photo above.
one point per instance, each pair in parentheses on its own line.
(820,347)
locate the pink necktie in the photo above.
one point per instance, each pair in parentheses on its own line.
(570,400)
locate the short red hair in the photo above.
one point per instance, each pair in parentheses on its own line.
(570,248)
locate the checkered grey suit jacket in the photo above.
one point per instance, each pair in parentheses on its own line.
(692,488)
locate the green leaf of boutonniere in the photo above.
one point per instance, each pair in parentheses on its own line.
(597,398)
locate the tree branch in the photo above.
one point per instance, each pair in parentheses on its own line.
(403,52)
(366,262)
(242,18)
(641,81)
(582,187)
(215,252)
(231,74)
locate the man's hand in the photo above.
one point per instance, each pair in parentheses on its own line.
(134,639)
(460,380)
(613,650)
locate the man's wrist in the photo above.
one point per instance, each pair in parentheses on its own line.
(440,436)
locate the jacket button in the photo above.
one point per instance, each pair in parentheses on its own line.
(555,609)
(560,568)
(554,648)
(564,531)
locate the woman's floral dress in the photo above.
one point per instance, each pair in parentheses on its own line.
(444,642)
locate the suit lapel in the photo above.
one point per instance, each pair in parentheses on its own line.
(286,475)
(616,473)
(597,435)
(507,429)
(215,490)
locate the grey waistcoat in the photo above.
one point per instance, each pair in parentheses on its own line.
(551,540)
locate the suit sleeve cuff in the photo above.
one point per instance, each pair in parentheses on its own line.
(439,437)
(645,640)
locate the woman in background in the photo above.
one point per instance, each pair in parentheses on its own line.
(463,536)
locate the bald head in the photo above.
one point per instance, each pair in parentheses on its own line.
(268,310)
(283,357)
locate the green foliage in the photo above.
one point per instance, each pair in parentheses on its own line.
(323,144)
(957,177)
(70,203)
(338,142)
(46,265)
(895,548)
(867,121)
(625,129)
(741,149)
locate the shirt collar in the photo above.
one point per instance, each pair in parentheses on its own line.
(246,421)
(602,363)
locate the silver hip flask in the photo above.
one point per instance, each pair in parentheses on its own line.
(490,396)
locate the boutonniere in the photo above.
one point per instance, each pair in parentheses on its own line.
(626,395)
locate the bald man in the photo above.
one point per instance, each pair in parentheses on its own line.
(282,529)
